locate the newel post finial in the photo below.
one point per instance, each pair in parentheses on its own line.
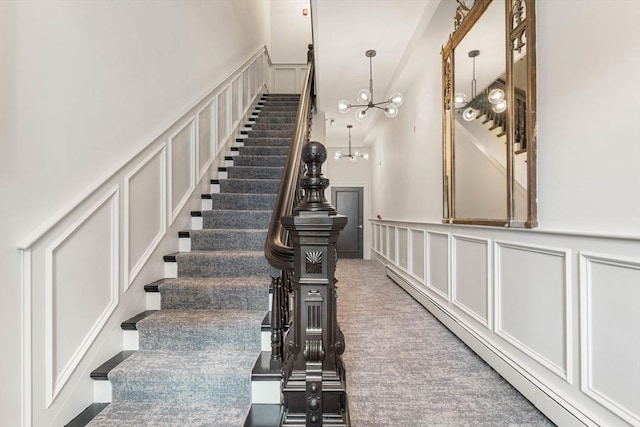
(314,154)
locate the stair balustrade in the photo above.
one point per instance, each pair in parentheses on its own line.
(301,249)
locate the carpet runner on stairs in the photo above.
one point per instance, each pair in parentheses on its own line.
(196,353)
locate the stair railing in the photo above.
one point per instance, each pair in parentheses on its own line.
(277,250)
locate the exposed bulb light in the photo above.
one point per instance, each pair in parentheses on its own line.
(469,114)
(365,98)
(459,100)
(496,96)
(474,108)
(500,107)
(353,157)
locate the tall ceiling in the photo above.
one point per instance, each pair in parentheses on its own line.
(343,30)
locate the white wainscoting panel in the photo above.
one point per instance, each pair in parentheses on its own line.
(403,242)
(81,289)
(438,263)
(222,104)
(417,245)
(471,277)
(207,137)
(533,309)
(610,332)
(392,255)
(236,101)
(181,167)
(145,219)
(385,241)
(285,79)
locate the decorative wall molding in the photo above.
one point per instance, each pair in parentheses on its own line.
(587,260)
(419,238)
(429,270)
(174,211)
(564,372)
(26,336)
(486,321)
(54,383)
(213,137)
(403,247)
(130,274)
(288,78)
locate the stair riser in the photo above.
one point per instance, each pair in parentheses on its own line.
(214,265)
(249,186)
(241,220)
(267,161)
(233,240)
(266,142)
(254,172)
(263,151)
(243,201)
(187,337)
(270,133)
(178,389)
(224,298)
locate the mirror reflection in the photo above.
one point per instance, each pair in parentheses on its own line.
(489,114)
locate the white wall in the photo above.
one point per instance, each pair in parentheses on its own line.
(536,304)
(290,36)
(84,86)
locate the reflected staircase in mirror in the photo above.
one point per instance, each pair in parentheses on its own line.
(200,355)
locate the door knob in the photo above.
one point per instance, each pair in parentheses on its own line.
(360,226)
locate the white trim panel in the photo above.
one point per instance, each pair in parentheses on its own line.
(190,169)
(471,285)
(56,380)
(538,281)
(161,210)
(609,319)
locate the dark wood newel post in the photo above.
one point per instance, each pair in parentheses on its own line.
(314,376)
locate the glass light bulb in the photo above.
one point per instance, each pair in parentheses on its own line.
(500,106)
(364,96)
(338,155)
(469,114)
(496,95)
(361,114)
(459,99)
(344,106)
(365,156)
(391,111)
(396,99)
(353,159)
(356,153)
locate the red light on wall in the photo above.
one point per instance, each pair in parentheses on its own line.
(305,12)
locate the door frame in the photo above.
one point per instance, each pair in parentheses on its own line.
(363,234)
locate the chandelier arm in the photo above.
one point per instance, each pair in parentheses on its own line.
(371,78)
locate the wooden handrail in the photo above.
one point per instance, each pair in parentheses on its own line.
(276,249)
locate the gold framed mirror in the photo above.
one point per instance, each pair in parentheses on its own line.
(489,115)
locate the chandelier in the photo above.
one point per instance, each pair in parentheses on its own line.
(353,157)
(365,98)
(470,109)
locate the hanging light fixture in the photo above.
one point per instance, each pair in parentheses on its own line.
(365,98)
(495,97)
(353,157)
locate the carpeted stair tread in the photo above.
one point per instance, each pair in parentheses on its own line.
(234,219)
(221,376)
(228,239)
(193,329)
(226,293)
(256,186)
(169,414)
(222,264)
(243,201)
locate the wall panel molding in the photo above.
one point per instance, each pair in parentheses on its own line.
(432,258)
(55,381)
(457,241)
(160,153)
(176,205)
(611,315)
(204,161)
(528,267)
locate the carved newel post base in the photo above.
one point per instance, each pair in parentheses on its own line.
(314,377)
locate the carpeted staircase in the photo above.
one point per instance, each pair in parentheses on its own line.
(196,354)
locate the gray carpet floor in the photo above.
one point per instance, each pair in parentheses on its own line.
(404,368)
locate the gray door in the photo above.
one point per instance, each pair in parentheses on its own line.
(348,202)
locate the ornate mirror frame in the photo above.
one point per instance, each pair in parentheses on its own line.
(520,31)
